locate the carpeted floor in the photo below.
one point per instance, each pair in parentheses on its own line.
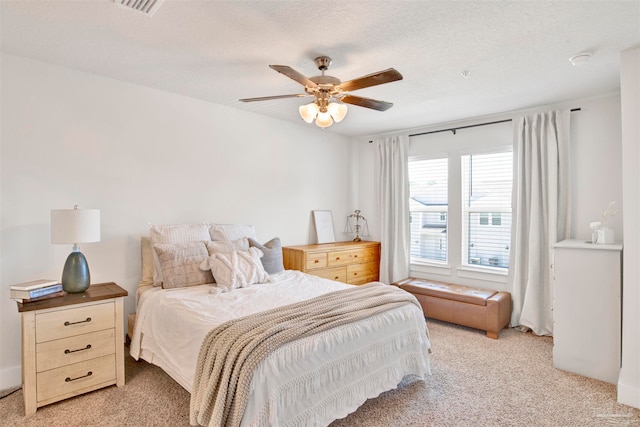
(475,381)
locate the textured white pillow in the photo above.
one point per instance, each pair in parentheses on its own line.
(180,264)
(226,246)
(231,231)
(178,233)
(237,269)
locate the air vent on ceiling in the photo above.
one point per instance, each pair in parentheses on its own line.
(148,7)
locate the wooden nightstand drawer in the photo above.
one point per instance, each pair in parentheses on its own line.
(316,260)
(76,378)
(66,351)
(69,322)
(338,273)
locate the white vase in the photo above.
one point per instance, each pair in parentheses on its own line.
(605,236)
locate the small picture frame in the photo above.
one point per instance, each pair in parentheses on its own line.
(324,226)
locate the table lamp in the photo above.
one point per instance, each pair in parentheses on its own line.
(75,226)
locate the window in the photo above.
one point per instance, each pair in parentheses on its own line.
(428,205)
(486,216)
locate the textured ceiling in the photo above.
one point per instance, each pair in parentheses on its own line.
(516,51)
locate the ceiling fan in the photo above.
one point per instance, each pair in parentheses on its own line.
(331,94)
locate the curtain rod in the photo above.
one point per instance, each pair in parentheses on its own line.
(453,130)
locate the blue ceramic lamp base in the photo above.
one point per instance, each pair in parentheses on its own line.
(75,275)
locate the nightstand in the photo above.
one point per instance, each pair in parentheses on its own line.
(72,344)
(355,263)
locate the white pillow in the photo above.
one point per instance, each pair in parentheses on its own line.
(231,231)
(226,246)
(179,233)
(237,269)
(180,264)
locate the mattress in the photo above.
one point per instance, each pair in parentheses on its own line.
(311,381)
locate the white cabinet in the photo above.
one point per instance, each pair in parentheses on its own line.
(587,304)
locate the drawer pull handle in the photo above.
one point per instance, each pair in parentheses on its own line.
(67,351)
(67,323)
(316,261)
(337,258)
(355,256)
(77,378)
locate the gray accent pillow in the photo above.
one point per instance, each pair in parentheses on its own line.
(272,259)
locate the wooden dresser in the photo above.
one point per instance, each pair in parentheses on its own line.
(72,344)
(355,263)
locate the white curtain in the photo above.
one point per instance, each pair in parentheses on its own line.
(541,203)
(392,205)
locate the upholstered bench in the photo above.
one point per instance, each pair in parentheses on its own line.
(482,309)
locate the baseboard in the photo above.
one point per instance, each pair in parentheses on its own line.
(10,378)
(628,395)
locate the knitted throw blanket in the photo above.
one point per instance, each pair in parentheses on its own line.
(230,352)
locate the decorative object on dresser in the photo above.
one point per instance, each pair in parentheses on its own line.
(355,263)
(72,344)
(323,222)
(75,226)
(357,224)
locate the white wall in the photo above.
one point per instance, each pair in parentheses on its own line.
(596,175)
(629,381)
(143,156)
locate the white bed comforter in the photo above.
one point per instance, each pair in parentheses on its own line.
(312,381)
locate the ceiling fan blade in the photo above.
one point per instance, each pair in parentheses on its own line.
(267,98)
(293,74)
(386,76)
(367,102)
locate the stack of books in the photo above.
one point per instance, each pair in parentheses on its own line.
(36,290)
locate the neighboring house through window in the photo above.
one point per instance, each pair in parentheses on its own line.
(428,182)
(486,207)
(460,203)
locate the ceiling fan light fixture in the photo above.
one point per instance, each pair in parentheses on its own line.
(337,110)
(324,120)
(327,88)
(308,112)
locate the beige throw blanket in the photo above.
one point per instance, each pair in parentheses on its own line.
(230,353)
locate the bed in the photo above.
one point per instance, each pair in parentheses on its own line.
(312,380)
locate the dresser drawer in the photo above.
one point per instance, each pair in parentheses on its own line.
(338,274)
(72,379)
(336,258)
(66,351)
(316,260)
(74,321)
(358,274)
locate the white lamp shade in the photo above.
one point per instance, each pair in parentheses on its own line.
(75,225)
(324,120)
(308,112)
(337,111)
